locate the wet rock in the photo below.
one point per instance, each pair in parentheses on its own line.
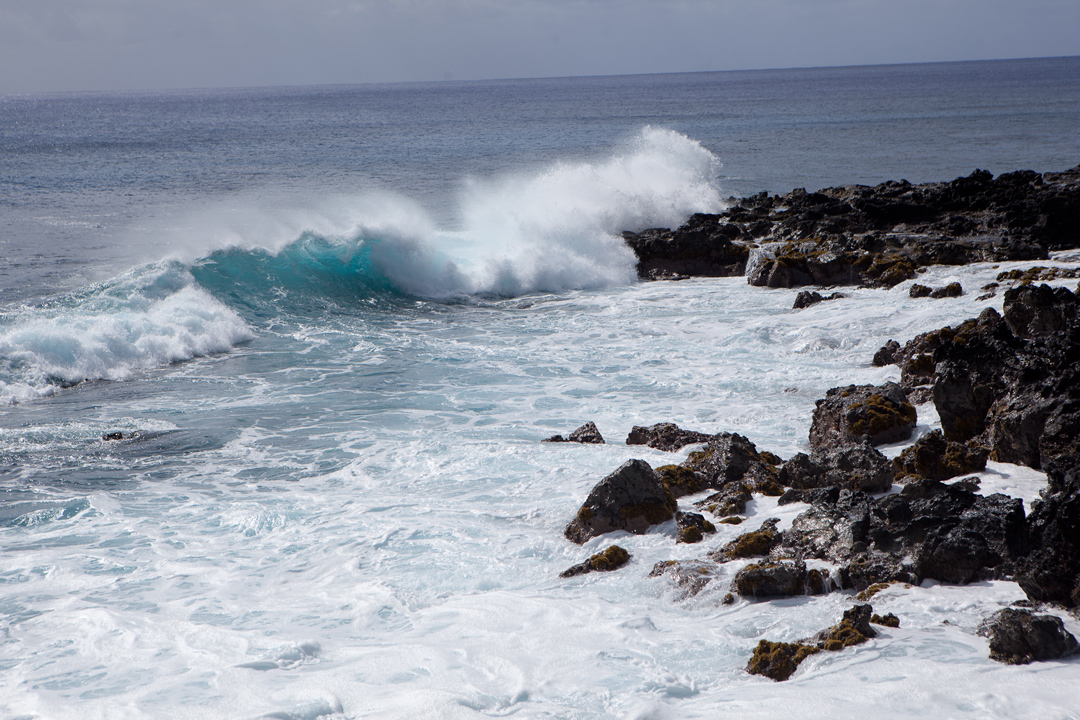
(887,354)
(854,467)
(777,660)
(846,414)
(632,498)
(806,298)
(919,291)
(886,620)
(771,579)
(612,558)
(1050,572)
(729,458)
(704,247)
(934,457)
(665,436)
(853,629)
(1039,310)
(1017,637)
(756,543)
(692,527)
(587,434)
(953,289)
(690,576)
(729,501)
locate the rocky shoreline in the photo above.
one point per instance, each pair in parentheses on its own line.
(1006,386)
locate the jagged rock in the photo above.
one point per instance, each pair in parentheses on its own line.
(587,434)
(665,436)
(632,498)
(1017,637)
(777,660)
(703,247)
(611,559)
(1051,570)
(806,298)
(729,501)
(887,354)
(919,291)
(953,289)
(751,544)
(1039,310)
(690,576)
(855,467)
(771,579)
(853,629)
(728,458)
(846,414)
(934,457)
(692,527)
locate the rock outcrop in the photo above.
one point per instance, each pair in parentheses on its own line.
(610,559)
(587,434)
(632,498)
(848,414)
(1018,637)
(665,436)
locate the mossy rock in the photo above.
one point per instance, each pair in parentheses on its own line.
(877,415)
(611,559)
(871,591)
(733,520)
(756,543)
(841,636)
(680,480)
(887,620)
(778,660)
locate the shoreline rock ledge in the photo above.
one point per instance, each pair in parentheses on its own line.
(876,236)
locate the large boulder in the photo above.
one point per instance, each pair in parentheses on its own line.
(852,467)
(1017,637)
(1051,570)
(771,579)
(632,499)
(935,458)
(848,414)
(729,458)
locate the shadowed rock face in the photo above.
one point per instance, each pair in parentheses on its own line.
(874,236)
(856,467)
(632,498)
(1017,637)
(665,436)
(1051,570)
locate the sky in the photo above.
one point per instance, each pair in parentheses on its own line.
(103,45)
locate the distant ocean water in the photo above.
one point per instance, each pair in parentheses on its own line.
(333,324)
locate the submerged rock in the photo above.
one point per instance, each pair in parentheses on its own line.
(632,498)
(690,576)
(1017,637)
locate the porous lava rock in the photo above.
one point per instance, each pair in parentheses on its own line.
(755,543)
(806,298)
(587,434)
(1017,637)
(935,458)
(779,660)
(771,579)
(852,467)
(1050,571)
(692,527)
(875,236)
(847,414)
(726,458)
(613,558)
(665,436)
(632,499)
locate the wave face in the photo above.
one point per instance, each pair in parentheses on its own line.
(555,229)
(149,317)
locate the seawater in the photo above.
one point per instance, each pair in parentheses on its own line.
(333,325)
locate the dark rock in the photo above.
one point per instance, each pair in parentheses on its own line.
(632,498)
(665,436)
(729,501)
(704,247)
(1039,310)
(806,298)
(853,629)
(777,660)
(771,579)
(1017,637)
(611,559)
(934,457)
(756,543)
(692,527)
(729,458)
(690,576)
(919,291)
(110,436)
(1050,571)
(587,434)
(854,467)
(886,620)
(887,354)
(847,414)
(953,289)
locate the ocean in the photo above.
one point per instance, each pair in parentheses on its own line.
(333,324)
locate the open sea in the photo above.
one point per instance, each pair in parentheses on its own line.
(333,325)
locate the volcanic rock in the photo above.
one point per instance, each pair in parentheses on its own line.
(854,467)
(934,457)
(1017,637)
(632,498)
(692,527)
(587,433)
(847,414)
(665,436)
(611,559)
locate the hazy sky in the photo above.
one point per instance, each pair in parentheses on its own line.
(48,45)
